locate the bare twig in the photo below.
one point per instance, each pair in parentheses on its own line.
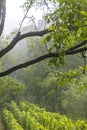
(23,19)
(24,16)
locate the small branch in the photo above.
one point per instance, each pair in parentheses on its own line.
(23,20)
(78,45)
(76,51)
(25,16)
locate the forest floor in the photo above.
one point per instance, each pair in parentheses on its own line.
(1,124)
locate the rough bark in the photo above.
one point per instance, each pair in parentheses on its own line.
(2,15)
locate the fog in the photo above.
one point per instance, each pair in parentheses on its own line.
(14,15)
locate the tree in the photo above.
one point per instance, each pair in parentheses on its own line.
(9,90)
(66,34)
(73,99)
(2,14)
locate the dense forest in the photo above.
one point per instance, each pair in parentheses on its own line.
(43,78)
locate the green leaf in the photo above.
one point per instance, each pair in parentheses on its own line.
(44,40)
(48,38)
(83,13)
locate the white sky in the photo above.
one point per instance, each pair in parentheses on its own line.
(14,15)
(13,8)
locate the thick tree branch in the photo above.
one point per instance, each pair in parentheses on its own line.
(19,37)
(34,61)
(26,64)
(73,50)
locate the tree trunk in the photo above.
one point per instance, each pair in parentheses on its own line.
(2,14)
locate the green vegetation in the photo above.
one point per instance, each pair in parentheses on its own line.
(9,90)
(31,117)
(60,90)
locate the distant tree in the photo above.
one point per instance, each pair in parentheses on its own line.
(73,100)
(66,34)
(9,90)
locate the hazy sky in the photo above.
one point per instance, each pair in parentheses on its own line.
(13,8)
(14,14)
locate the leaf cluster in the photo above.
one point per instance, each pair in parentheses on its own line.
(68,26)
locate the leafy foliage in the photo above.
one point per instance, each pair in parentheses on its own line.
(74,99)
(68,26)
(33,117)
(9,89)
(48,86)
(10,121)
(64,93)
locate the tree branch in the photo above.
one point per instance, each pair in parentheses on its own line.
(73,50)
(78,45)
(19,37)
(34,61)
